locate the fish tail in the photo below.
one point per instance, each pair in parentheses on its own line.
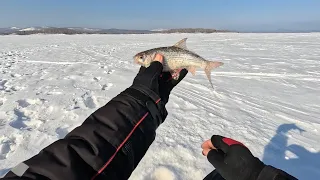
(209,67)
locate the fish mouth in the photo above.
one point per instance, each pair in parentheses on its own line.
(135,60)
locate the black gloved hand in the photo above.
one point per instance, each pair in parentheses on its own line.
(160,82)
(167,83)
(232,159)
(149,77)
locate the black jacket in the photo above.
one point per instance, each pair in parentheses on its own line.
(108,145)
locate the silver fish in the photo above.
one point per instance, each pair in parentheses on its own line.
(177,57)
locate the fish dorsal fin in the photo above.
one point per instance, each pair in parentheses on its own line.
(181,44)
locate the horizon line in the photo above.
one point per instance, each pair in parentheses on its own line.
(164,29)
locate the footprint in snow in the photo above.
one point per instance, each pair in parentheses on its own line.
(23,103)
(3,84)
(5,148)
(26,102)
(97,78)
(109,71)
(87,100)
(7,88)
(21,120)
(62,131)
(15,75)
(8,144)
(106,86)
(2,101)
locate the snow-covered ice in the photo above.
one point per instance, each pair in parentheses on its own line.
(266,95)
(28,29)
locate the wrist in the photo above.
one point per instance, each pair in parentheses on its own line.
(150,100)
(257,169)
(270,172)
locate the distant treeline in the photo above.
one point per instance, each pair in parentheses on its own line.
(53,30)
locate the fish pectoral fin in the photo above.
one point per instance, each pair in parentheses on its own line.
(192,69)
(175,74)
(182,44)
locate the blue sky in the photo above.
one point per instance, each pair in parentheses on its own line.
(138,14)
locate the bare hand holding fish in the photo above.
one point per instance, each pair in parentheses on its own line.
(177,57)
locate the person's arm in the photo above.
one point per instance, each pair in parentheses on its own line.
(111,141)
(234,161)
(272,173)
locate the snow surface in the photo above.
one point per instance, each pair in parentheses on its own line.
(28,29)
(161,29)
(266,95)
(85,29)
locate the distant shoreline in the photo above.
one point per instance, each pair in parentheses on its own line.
(71,31)
(77,30)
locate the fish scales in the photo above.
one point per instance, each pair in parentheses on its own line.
(177,57)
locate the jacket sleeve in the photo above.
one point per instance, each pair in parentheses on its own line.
(271,173)
(108,145)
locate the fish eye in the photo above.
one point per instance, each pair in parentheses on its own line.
(141,58)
